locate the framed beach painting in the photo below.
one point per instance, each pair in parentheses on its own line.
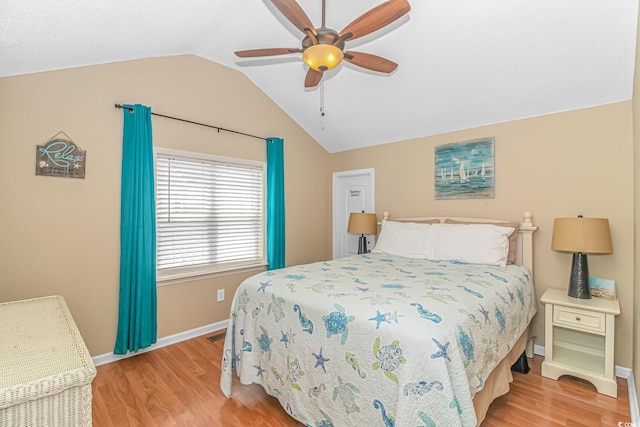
(465,170)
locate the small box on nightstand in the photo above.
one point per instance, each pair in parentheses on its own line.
(602,288)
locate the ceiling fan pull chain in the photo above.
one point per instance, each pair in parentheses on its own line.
(322,95)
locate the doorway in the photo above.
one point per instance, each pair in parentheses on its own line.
(353,191)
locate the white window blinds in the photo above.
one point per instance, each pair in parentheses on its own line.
(209,214)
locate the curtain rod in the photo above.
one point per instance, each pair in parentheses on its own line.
(120,106)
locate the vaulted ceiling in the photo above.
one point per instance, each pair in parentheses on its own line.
(462,63)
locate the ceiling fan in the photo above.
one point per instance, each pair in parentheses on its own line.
(323,48)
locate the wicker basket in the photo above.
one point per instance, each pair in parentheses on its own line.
(45,367)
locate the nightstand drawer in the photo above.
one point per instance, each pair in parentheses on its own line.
(579,319)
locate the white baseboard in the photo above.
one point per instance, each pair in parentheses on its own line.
(621,372)
(163,342)
(633,401)
(538,349)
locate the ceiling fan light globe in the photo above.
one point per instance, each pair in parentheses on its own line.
(322,57)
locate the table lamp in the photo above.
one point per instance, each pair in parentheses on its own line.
(362,223)
(581,236)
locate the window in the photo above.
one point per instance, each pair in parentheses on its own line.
(209,214)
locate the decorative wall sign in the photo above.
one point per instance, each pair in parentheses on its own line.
(60,156)
(465,170)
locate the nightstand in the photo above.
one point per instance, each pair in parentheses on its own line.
(579,338)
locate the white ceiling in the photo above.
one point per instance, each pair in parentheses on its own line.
(462,63)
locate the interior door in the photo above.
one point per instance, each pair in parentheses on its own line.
(353,191)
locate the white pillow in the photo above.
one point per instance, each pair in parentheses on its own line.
(407,239)
(470,243)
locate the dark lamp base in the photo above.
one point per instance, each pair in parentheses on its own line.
(362,245)
(579,280)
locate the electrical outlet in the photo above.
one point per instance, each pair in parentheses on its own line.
(220,295)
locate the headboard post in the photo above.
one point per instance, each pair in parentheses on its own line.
(526,232)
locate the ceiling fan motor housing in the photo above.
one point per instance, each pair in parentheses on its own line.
(324,36)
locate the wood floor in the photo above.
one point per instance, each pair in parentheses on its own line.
(178,385)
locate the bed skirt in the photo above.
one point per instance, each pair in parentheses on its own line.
(497,383)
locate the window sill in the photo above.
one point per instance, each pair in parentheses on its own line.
(190,277)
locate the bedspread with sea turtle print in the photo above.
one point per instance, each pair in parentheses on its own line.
(374,340)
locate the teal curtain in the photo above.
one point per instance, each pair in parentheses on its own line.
(137,323)
(275,204)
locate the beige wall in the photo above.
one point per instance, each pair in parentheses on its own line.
(61,236)
(577,162)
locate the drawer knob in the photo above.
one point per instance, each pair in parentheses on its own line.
(578,318)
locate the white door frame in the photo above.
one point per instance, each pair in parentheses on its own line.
(337,215)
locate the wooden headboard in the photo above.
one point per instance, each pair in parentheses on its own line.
(524,251)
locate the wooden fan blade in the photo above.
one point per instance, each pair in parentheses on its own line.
(377,18)
(265,52)
(294,13)
(313,78)
(370,62)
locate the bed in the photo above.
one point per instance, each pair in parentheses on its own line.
(406,335)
